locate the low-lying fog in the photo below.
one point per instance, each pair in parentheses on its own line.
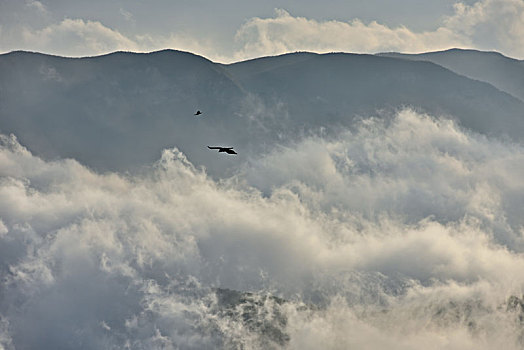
(403,234)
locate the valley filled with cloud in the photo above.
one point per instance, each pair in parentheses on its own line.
(404,232)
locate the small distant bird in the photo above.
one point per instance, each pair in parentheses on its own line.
(198,113)
(228,150)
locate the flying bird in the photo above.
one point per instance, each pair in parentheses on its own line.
(228,150)
(198,113)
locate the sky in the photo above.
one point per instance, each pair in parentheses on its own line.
(233,30)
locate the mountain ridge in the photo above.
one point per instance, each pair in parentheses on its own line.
(118,111)
(505,73)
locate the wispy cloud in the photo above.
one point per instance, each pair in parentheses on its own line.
(37,5)
(126,14)
(77,37)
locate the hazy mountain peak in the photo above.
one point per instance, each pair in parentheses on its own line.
(505,73)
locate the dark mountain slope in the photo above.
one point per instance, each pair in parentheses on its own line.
(115,111)
(118,111)
(506,74)
(331,88)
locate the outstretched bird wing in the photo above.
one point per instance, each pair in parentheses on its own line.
(228,150)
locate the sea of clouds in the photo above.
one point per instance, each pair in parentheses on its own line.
(402,234)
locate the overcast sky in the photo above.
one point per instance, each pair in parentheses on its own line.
(232,30)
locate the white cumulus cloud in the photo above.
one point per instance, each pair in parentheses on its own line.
(487,24)
(491,25)
(285,33)
(78,38)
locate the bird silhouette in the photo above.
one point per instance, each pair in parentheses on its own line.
(198,113)
(228,150)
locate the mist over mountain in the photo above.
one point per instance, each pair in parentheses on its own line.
(506,74)
(329,90)
(117,112)
(375,202)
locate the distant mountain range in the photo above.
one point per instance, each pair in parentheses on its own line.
(506,74)
(117,111)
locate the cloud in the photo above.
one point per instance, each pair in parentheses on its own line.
(37,5)
(31,26)
(184,42)
(408,227)
(126,14)
(487,24)
(491,24)
(286,33)
(78,38)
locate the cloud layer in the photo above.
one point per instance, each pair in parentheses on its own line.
(410,227)
(286,33)
(486,24)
